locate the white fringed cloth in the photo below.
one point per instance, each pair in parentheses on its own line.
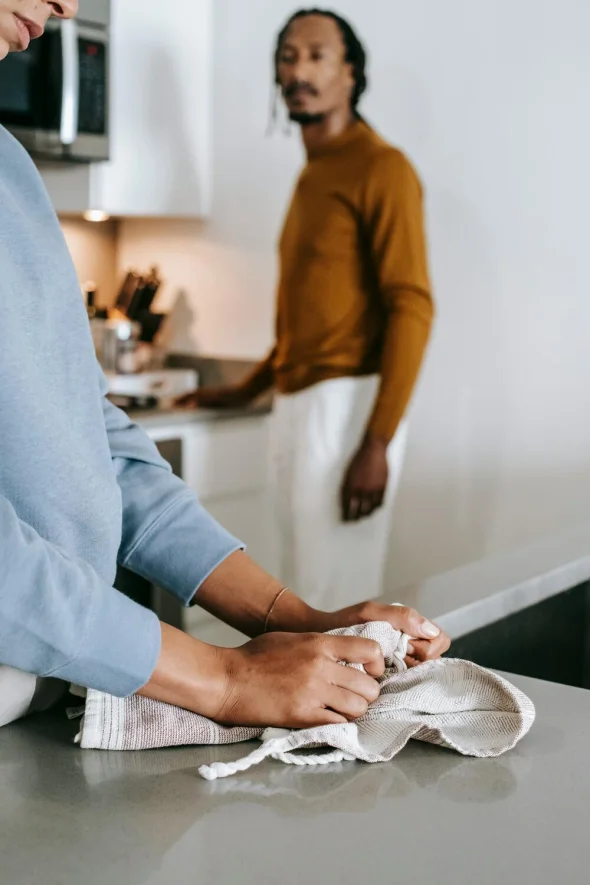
(451,703)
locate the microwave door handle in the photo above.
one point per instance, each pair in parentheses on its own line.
(68,129)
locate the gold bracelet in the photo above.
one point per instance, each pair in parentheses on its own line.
(272,608)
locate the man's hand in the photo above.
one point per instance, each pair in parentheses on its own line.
(428,641)
(289,680)
(365,482)
(230,397)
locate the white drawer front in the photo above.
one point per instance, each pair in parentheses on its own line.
(227,458)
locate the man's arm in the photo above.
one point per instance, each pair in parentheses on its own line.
(234,396)
(393,226)
(394,221)
(260,379)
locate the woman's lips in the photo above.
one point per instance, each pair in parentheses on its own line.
(27,31)
(24,36)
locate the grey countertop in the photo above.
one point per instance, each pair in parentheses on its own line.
(70,816)
(171,416)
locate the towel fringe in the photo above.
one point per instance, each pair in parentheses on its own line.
(273,748)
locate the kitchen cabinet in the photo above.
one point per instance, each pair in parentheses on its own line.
(530,642)
(226,463)
(160,118)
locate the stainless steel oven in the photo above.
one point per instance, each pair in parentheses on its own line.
(54,96)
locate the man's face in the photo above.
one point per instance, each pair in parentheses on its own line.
(313,73)
(23,20)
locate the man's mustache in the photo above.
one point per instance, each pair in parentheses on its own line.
(299,87)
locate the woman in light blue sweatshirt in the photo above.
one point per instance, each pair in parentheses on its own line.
(82,489)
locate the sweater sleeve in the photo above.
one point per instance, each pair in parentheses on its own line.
(261,378)
(168,537)
(59,618)
(394,225)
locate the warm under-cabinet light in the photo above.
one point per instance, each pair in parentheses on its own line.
(96,215)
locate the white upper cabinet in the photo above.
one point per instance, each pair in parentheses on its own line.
(160,117)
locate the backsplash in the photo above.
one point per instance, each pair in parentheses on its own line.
(219,296)
(93,248)
(219,293)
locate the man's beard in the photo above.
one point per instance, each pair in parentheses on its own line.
(305,119)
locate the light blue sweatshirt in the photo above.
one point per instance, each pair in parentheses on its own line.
(81,487)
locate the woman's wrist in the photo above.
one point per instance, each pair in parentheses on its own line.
(291,614)
(189,673)
(247,598)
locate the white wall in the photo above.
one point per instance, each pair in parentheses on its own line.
(490,100)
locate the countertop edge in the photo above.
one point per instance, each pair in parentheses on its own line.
(155,418)
(478,594)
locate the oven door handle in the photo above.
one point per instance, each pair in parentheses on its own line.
(70,97)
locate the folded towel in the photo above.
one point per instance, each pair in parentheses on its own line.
(451,703)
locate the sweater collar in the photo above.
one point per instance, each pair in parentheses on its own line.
(351,134)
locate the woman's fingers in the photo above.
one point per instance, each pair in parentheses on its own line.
(355,650)
(355,681)
(347,703)
(430,650)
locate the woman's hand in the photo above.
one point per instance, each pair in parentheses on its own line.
(428,641)
(297,680)
(287,680)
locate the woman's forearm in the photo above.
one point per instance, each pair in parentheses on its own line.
(242,594)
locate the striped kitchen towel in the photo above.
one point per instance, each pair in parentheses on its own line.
(449,702)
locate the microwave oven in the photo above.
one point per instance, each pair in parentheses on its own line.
(54,96)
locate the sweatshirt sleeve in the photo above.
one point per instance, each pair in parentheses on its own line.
(168,537)
(59,618)
(261,379)
(394,224)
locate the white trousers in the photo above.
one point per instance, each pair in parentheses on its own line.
(328,562)
(22,693)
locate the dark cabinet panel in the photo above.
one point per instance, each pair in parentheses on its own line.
(136,587)
(550,640)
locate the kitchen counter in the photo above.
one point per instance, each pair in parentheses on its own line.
(211,372)
(70,816)
(169,415)
(476,595)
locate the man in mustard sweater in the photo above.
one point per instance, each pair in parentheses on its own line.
(353,319)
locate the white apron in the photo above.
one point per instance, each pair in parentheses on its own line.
(331,564)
